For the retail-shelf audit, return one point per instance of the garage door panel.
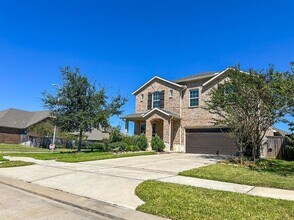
(205, 141)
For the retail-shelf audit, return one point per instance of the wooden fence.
(275, 147)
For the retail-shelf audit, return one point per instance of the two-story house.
(175, 111)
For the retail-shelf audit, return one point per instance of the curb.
(84, 203)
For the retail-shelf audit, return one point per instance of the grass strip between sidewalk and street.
(73, 157)
(268, 173)
(4, 163)
(176, 201)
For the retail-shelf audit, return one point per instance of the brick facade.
(172, 130)
(10, 135)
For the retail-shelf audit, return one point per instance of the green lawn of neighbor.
(268, 173)
(176, 201)
(4, 163)
(72, 157)
(4, 148)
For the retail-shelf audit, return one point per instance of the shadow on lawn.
(278, 167)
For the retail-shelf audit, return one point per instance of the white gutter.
(170, 132)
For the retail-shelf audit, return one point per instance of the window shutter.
(149, 102)
(162, 99)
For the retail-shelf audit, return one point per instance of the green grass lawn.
(72, 157)
(4, 163)
(176, 201)
(20, 148)
(270, 173)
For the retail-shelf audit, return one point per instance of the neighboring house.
(14, 124)
(174, 111)
(96, 135)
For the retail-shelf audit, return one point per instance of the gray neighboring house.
(14, 124)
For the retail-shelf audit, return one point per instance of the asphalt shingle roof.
(196, 76)
(15, 118)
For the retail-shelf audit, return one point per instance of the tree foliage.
(79, 106)
(42, 129)
(250, 103)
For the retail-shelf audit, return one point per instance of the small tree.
(142, 142)
(157, 144)
(249, 104)
(79, 106)
(42, 131)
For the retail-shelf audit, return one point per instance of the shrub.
(130, 140)
(142, 142)
(100, 147)
(136, 148)
(118, 146)
(157, 144)
(115, 135)
(129, 148)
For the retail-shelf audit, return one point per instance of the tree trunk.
(80, 140)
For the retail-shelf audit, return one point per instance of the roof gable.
(158, 78)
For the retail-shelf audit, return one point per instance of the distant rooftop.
(16, 118)
(196, 76)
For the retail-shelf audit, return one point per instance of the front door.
(153, 130)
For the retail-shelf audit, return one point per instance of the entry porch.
(165, 124)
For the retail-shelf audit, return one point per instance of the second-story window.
(142, 97)
(194, 98)
(156, 100)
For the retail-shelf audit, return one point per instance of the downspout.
(170, 133)
(181, 100)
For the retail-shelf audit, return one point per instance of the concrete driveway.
(113, 181)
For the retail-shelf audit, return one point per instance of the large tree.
(80, 106)
(250, 103)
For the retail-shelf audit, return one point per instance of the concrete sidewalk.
(232, 187)
(88, 207)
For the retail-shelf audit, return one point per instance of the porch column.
(126, 127)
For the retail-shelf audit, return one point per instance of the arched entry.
(157, 127)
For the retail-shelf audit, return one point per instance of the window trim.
(189, 98)
(156, 100)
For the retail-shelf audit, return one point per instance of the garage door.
(209, 141)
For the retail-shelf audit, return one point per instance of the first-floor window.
(142, 128)
(194, 97)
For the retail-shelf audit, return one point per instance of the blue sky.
(122, 44)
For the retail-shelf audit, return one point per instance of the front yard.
(267, 173)
(184, 202)
(10, 148)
